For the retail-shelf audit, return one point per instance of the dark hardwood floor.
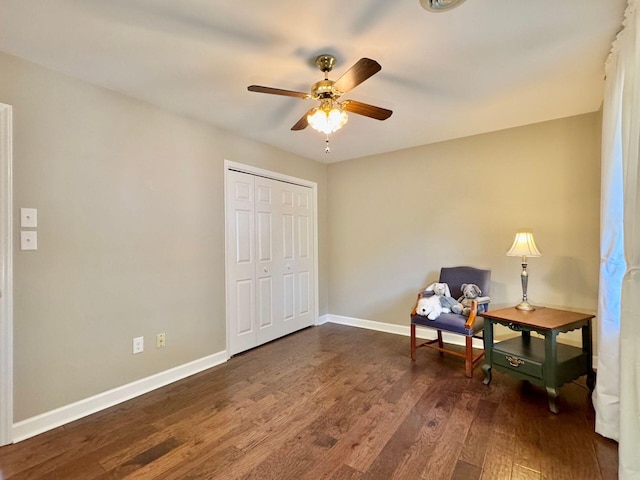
(329, 402)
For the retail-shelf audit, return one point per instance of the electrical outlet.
(138, 345)
(161, 340)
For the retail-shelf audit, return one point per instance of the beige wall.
(131, 235)
(396, 218)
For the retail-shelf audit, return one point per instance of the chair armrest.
(472, 315)
(483, 304)
(483, 300)
(415, 307)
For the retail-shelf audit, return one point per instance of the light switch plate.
(28, 240)
(28, 217)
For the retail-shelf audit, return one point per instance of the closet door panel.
(265, 303)
(240, 233)
(287, 237)
(304, 303)
(264, 220)
(288, 299)
(304, 263)
(268, 266)
(244, 308)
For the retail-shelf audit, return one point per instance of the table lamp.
(524, 246)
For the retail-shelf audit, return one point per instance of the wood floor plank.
(420, 447)
(214, 463)
(82, 438)
(367, 448)
(358, 446)
(207, 456)
(86, 464)
(258, 445)
(531, 410)
(520, 472)
(321, 437)
(564, 454)
(498, 461)
(112, 456)
(344, 472)
(297, 459)
(501, 440)
(146, 457)
(466, 471)
(329, 402)
(475, 443)
(43, 448)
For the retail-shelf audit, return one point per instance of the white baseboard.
(424, 333)
(323, 319)
(74, 411)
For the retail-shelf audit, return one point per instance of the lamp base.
(526, 306)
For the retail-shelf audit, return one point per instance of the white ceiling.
(484, 66)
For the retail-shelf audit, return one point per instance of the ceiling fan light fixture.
(328, 117)
(439, 5)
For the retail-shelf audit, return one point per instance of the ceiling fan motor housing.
(324, 89)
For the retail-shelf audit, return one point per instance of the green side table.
(544, 362)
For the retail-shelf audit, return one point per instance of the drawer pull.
(514, 361)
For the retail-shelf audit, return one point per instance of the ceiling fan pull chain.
(327, 149)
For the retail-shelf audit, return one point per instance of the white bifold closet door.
(269, 259)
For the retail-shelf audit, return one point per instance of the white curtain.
(617, 393)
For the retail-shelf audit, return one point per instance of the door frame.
(6, 274)
(240, 167)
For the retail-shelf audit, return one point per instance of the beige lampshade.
(524, 246)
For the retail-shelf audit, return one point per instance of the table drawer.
(513, 362)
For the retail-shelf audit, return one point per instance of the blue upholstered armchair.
(469, 327)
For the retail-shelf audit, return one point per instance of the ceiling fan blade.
(367, 110)
(363, 69)
(277, 91)
(302, 123)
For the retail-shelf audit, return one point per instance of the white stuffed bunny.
(440, 289)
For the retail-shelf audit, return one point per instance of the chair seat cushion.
(450, 322)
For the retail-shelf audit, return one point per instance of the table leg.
(550, 367)
(587, 346)
(488, 350)
(486, 368)
(552, 394)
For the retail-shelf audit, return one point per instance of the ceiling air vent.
(439, 5)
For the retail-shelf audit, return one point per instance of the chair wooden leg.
(413, 342)
(440, 343)
(468, 358)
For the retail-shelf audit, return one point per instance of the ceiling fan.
(331, 114)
